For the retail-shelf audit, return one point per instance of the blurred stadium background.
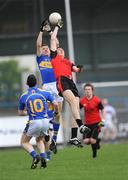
(100, 35)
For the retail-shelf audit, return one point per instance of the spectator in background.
(110, 128)
(93, 117)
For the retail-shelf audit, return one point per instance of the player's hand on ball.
(45, 26)
(60, 23)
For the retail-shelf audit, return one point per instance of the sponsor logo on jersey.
(45, 64)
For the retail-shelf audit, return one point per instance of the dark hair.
(31, 80)
(90, 85)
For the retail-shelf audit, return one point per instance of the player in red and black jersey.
(93, 116)
(63, 69)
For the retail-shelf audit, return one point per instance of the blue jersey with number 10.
(34, 100)
(46, 70)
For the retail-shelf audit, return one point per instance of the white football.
(54, 17)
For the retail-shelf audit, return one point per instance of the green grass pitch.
(68, 164)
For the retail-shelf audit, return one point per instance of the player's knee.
(22, 143)
(92, 141)
(22, 140)
(86, 141)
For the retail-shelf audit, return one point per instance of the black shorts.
(64, 83)
(94, 131)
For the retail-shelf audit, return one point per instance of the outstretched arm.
(54, 42)
(39, 43)
(45, 26)
(57, 42)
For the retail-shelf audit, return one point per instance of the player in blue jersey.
(48, 78)
(34, 104)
